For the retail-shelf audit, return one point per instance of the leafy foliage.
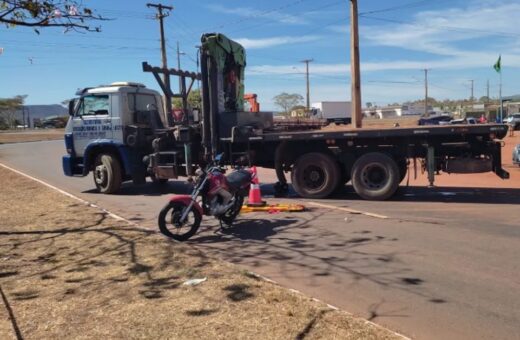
(286, 101)
(194, 100)
(70, 14)
(8, 109)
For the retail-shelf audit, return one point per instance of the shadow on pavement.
(424, 194)
(179, 187)
(295, 249)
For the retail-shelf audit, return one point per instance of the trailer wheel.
(315, 175)
(107, 174)
(375, 176)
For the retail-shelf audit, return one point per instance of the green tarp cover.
(230, 58)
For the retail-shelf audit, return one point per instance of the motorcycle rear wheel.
(231, 214)
(170, 226)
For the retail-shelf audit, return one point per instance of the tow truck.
(120, 132)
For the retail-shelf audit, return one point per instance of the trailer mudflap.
(497, 160)
(502, 173)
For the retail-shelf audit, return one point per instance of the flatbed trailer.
(375, 160)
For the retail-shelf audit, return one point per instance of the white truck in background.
(333, 112)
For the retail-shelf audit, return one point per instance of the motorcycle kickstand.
(223, 226)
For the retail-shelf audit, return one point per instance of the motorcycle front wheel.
(169, 223)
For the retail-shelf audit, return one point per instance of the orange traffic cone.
(255, 196)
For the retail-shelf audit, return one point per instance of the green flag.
(498, 65)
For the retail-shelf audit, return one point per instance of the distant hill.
(42, 111)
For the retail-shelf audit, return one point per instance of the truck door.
(92, 121)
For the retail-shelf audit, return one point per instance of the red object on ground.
(255, 196)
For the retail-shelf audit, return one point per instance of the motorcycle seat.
(238, 179)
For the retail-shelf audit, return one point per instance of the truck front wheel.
(315, 175)
(107, 174)
(375, 176)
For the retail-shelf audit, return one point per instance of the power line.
(446, 28)
(269, 20)
(259, 14)
(404, 6)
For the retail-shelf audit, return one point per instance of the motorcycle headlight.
(199, 172)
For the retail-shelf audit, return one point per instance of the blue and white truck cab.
(109, 131)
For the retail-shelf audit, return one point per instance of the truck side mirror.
(72, 104)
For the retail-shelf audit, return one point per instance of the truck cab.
(109, 132)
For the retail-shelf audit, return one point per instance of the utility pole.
(307, 61)
(179, 53)
(426, 114)
(354, 65)
(198, 47)
(487, 92)
(472, 98)
(163, 12)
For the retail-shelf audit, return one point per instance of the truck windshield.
(94, 105)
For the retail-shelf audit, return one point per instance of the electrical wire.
(404, 6)
(443, 27)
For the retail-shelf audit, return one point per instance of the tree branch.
(70, 14)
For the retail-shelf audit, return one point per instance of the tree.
(194, 100)
(70, 14)
(369, 105)
(299, 107)
(286, 101)
(8, 109)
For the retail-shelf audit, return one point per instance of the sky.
(457, 41)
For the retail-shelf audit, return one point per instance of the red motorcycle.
(222, 197)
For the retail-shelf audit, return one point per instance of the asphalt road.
(445, 264)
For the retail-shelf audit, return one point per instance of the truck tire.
(375, 176)
(107, 174)
(315, 175)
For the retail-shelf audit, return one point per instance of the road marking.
(350, 211)
(63, 192)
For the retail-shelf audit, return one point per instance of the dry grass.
(21, 136)
(70, 271)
